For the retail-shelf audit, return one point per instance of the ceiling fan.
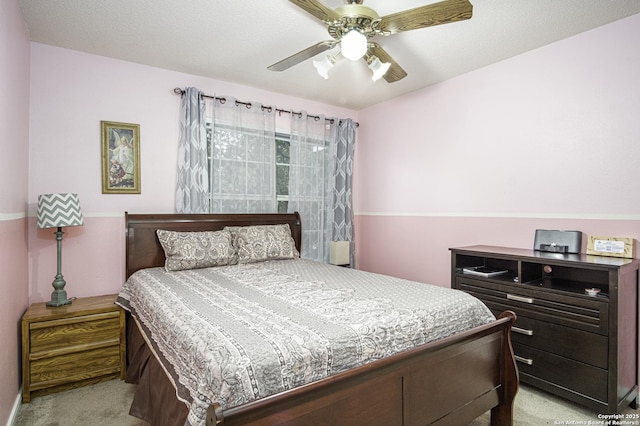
(354, 25)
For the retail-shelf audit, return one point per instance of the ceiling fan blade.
(317, 9)
(395, 71)
(303, 55)
(430, 15)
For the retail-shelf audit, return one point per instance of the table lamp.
(58, 210)
(340, 252)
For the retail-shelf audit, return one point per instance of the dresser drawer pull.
(527, 361)
(522, 331)
(520, 298)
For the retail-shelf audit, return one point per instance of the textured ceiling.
(235, 41)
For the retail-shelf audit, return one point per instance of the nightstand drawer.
(579, 377)
(73, 367)
(83, 330)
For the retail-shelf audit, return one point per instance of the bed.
(447, 370)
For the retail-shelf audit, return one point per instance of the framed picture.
(120, 158)
(611, 246)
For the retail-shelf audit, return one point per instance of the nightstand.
(73, 345)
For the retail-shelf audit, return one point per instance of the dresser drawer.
(582, 313)
(82, 330)
(579, 377)
(579, 345)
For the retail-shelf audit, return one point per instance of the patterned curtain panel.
(339, 188)
(227, 164)
(192, 186)
(243, 147)
(308, 161)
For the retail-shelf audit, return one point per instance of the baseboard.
(16, 407)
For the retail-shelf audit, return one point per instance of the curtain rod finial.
(178, 91)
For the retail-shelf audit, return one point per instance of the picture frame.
(120, 143)
(611, 246)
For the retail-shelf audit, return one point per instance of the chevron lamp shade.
(57, 210)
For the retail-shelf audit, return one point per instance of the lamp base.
(59, 298)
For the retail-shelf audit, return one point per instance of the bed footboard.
(451, 381)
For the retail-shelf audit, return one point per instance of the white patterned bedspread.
(238, 333)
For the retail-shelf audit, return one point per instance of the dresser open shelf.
(580, 346)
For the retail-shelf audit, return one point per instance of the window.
(250, 167)
(282, 172)
(282, 150)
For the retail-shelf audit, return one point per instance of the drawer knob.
(522, 331)
(519, 298)
(523, 360)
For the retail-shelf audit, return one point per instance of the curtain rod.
(179, 91)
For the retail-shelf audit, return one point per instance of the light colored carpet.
(534, 407)
(104, 404)
(107, 404)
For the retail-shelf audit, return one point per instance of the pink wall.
(547, 140)
(14, 108)
(417, 247)
(92, 258)
(71, 93)
(14, 164)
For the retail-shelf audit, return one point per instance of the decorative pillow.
(193, 250)
(263, 242)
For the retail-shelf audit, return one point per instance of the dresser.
(576, 334)
(72, 345)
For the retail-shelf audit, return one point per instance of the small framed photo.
(120, 158)
(611, 246)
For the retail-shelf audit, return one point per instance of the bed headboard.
(143, 249)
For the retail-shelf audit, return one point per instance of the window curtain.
(192, 186)
(320, 175)
(307, 181)
(340, 189)
(243, 157)
(236, 171)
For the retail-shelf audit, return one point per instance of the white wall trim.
(579, 216)
(582, 216)
(94, 214)
(6, 217)
(16, 408)
(12, 216)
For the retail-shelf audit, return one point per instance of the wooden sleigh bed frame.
(448, 382)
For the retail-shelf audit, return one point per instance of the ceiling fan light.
(324, 65)
(353, 45)
(378, 67)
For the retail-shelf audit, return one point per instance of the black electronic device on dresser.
(576, 334)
